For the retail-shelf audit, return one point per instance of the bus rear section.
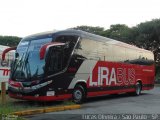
(75, 65)
(113, 78)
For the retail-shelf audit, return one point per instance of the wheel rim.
(77, 94)
(138, 89)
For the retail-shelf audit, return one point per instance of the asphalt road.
(147, 103)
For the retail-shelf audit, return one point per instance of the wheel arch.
(82, 83)
(140, 81)
(83, 86)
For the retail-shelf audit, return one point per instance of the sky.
(25, 17)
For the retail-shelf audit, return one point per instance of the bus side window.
(79, 46)
(55, 60)
(59, 56)
(88, 49)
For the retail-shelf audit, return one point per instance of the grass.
(68, 103)
(10, 117)
(13, 105)
(9, 107)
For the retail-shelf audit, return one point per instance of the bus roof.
(83, 34)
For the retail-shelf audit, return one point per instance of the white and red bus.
(76, 64)
(5, 65)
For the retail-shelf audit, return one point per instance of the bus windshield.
(28, 65)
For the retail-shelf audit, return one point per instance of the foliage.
(9, 40)
(145, 35)
(149, 37)
(94, 30)
(10, 117)
(6, 110)
(121, 32)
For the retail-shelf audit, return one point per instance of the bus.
(73, 64)
(5, 65)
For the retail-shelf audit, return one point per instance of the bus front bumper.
(41, 98)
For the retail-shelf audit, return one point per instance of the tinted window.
(59, 56)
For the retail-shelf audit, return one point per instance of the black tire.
(78, 94)
(138, 88)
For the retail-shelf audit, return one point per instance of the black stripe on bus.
(94, 89)
(108, 88)
(148, 85)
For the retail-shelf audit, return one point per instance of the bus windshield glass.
(27, 65)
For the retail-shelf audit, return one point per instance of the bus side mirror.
(44, 49)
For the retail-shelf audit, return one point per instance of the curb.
(46, 110)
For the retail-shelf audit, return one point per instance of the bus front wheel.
(78, 94)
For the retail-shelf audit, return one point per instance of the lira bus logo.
(115, 76)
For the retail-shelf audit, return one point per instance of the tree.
(148, 37)
(145, 35)
(94, 30)
(121, 32)
(9, 40)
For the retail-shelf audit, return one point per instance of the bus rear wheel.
(138, 88)
(78, 94)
